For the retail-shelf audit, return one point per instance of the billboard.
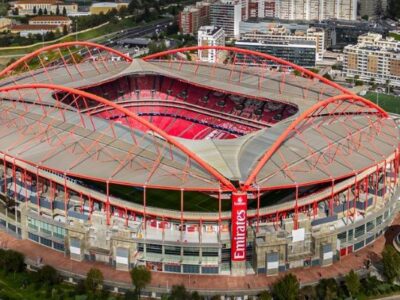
(239, 225)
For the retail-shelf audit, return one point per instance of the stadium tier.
(191, 167)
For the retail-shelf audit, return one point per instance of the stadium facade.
(248, 165)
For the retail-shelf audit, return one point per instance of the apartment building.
(210, 36)
(302, 53)
(227, 14)
(374, 58)
(192, 17)
(304, 9)
(281, 33)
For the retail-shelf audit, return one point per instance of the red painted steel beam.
(130, 114)
(275, 146)
(58, 46)
(250, 52)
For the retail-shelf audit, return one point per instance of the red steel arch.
(33, 54)
(225, 182)
(255, 53)
(267, 155)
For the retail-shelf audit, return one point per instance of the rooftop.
(50, 18)
(33, 27)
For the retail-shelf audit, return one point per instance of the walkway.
(202, 282)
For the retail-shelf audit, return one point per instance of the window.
(369, 240)
(342, 237)
(350, 235)
(379, 220)
(370, 226)
(359, 231)
(46, 228)
(58, 246)
(172, 268)
(141, 247)
(33, 237)
(172, 250)
(12, 227)
(213, 252)
(152, 248)
(191, 269)
(386, 214)
(191, 251)
(209, 270)
(358, 245)
(59, 232)
(45, 242)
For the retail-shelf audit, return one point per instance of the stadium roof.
(334, 135)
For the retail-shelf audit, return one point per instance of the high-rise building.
(192, 17)
(374, 59)
(210, 36)
(371, 7)
(281, 33)
(227, 14)
(300, 52)
(304, 9)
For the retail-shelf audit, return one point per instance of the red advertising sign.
(239, 225)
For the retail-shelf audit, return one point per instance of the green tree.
(140, 277)
(47, 275)
(286, 288)
(34, 11)
(94, 280)
(370, 285)
(58, 10)
(64, 11)
(391, 263)
(265, 295)
(352, 283)
(12, 261)
(308, 293)
(65, 30)
(40, 12)
(179, 292)
(327, 76)
(327, 289)
(45, 11)
(196, 296)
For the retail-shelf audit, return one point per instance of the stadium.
(247, 165)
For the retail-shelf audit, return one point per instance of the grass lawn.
(389, 103)
(18, 287)
(193, 201)
(395, 36)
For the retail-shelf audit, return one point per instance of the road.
(135, 32)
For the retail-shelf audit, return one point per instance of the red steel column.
(239, 233)
(108, 203)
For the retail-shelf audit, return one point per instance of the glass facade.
(301, 54)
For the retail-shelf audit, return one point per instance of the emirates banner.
(239, 224)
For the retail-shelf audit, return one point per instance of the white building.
(373, 59)
(51, 20)
(304, 9)
(227, 14)
(210, 36)
(281, 33)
